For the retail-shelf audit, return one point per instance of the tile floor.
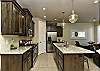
(45, 62)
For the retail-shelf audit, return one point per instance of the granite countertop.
(71, 49)
(98, 51)
(19, 50)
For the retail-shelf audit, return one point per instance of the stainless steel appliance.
(51, 37)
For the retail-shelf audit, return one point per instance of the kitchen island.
(69, 58)
(96, 58)
(20, 59)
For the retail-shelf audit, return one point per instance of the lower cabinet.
(27, 60)
(59, 59)
(35, 53)
(19, 62)
(25, 64)
(11, 62)
(96, 59)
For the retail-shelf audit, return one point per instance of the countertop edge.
(16, 51)
(91, 52)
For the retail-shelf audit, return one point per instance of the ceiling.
(86, 9)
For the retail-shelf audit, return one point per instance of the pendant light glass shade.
(63, 24)
(73, 17)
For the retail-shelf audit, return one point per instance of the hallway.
(45, 62)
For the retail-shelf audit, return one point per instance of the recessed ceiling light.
(43, 9)
(96, 1)
(55, 19)
(44, 16)
(94, 20)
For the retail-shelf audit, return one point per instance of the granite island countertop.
(98, 51)
(71, 49)
(19, 50)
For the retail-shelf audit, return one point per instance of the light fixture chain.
(72, 4)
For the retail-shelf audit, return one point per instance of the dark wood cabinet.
(96, 59)
(11, 62)
(33, 28)
(18, 19)
(10, 17)
(27, 60)
(25, 63)
(19, 62)
(51, 26)
(59, 31)
(29, 22)
(59, 59)
(6, 20)
(15, 20)
(22, 23)
(35, 53)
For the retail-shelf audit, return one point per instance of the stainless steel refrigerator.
(51, 37)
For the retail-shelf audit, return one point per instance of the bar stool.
(86, 60)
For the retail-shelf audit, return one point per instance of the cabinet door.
(6, 20)
(11, 63)
(73, 62)
(16, 19)
(29, 25)
(29, 62)
(33, 28)
(59, 31)
(25, 68)
(21, 24)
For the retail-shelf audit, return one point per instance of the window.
(81, 34)
(78, 34)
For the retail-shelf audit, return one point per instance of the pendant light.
(73, 17)
(63, 20)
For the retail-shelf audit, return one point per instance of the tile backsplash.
(7, 40)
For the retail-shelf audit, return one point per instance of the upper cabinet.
(18, 19)
(15, 19)
(29, 22)
(59, 31)
(51, 27)
(6, 17)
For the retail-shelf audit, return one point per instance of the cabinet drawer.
(60, 68)
(29, 62)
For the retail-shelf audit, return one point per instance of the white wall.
(0, 17)
(36, 30)
(0, 32)
(82, 27)
(98, 34)
(40, 34)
